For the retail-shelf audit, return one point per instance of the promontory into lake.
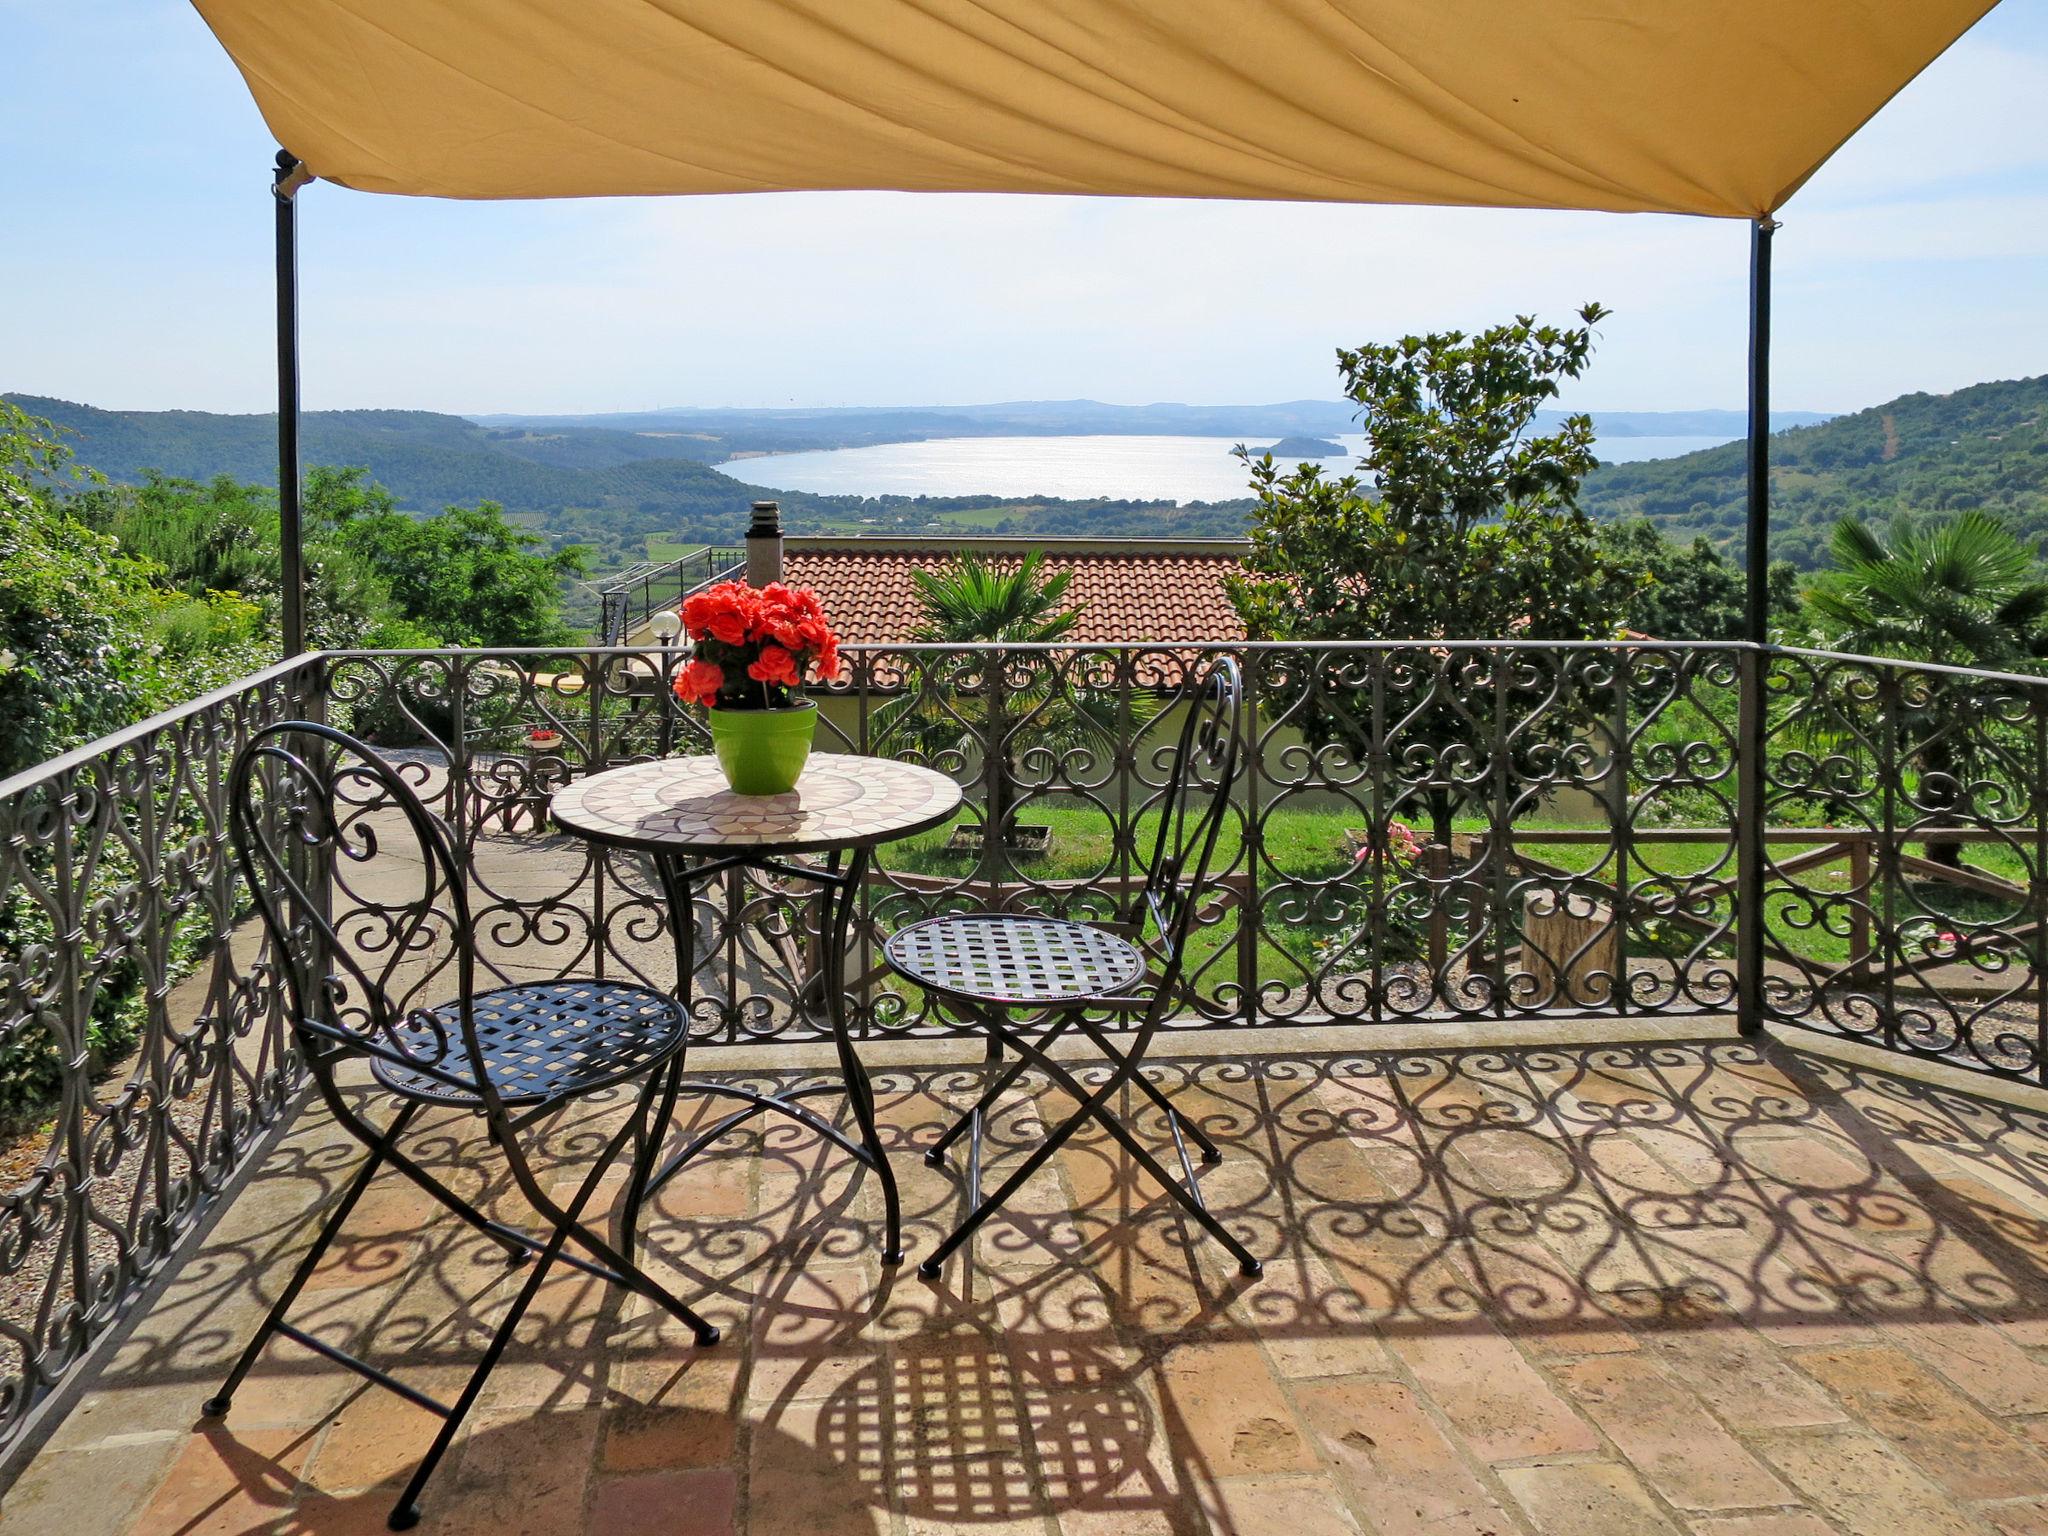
(1303, 448)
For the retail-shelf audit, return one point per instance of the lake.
(1125, 468)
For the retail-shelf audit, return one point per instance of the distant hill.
(1683, 423)
(719, 433)
(1979, 447)
(612, 481)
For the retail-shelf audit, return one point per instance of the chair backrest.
(1193, 805)
(362, 894)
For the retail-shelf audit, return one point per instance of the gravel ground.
(22, 1292)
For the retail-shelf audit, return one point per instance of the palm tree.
(974, 600)
(978, 602)
(1962, 592)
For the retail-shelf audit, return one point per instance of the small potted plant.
(752, 650)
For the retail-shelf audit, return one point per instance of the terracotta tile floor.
(1697, 1287)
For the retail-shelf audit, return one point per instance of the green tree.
(92, 638)
(1027, 708)
(67, 640)
(222, 536)
(976, 600)
(1963, 592)
(1463, 521)
(375, 576)
(466, 575)
(1690, 591)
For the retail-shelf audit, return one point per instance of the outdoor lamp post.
(667, 625)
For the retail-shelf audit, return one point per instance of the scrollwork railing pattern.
(1457, 831)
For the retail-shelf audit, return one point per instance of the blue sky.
(135, 249)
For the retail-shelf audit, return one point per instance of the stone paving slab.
(1694, 1288)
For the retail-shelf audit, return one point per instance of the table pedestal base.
(824, 991)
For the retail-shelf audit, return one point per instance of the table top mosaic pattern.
(682, 804)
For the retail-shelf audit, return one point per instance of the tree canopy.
(1690, 591)
(117, 601)
(1463, 521)
(92, 636)
(1963, 591)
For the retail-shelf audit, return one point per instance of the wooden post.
(1436, 868)
(1569, 948)
(1859, 909)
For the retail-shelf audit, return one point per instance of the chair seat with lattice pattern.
(1013, 961)
(540, 1041)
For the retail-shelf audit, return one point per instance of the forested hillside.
(1980, 447)
(604, 489)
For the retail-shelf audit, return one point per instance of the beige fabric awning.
(1719, 107)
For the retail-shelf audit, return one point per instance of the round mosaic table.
(682, 805)
(680, 811)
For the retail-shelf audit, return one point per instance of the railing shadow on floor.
(1687, 1196)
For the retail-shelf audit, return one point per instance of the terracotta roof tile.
(1124, 596)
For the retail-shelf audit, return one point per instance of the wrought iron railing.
(629, 599)
(1454, 832)
(138, 1028)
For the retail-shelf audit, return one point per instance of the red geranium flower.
(699, 682)
(777, 636)
(775, 665)
(727, 613)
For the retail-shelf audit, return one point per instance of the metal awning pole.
(1757, 612)
(284, 186)
(1750, 805)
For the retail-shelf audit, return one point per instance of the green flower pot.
(763, 750)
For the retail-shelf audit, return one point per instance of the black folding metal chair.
(990, 965)
(362, 894)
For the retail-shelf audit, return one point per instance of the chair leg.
(518, 1248)
(936, 1152)
(633, 1277)
(1211, 1153)
(219, 1403)
(406, 1512)
(1186, 1194)
(620, 1269)
(648, 1147)
(1188, 1198)
(1093, 1106)
(1056, 1139)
